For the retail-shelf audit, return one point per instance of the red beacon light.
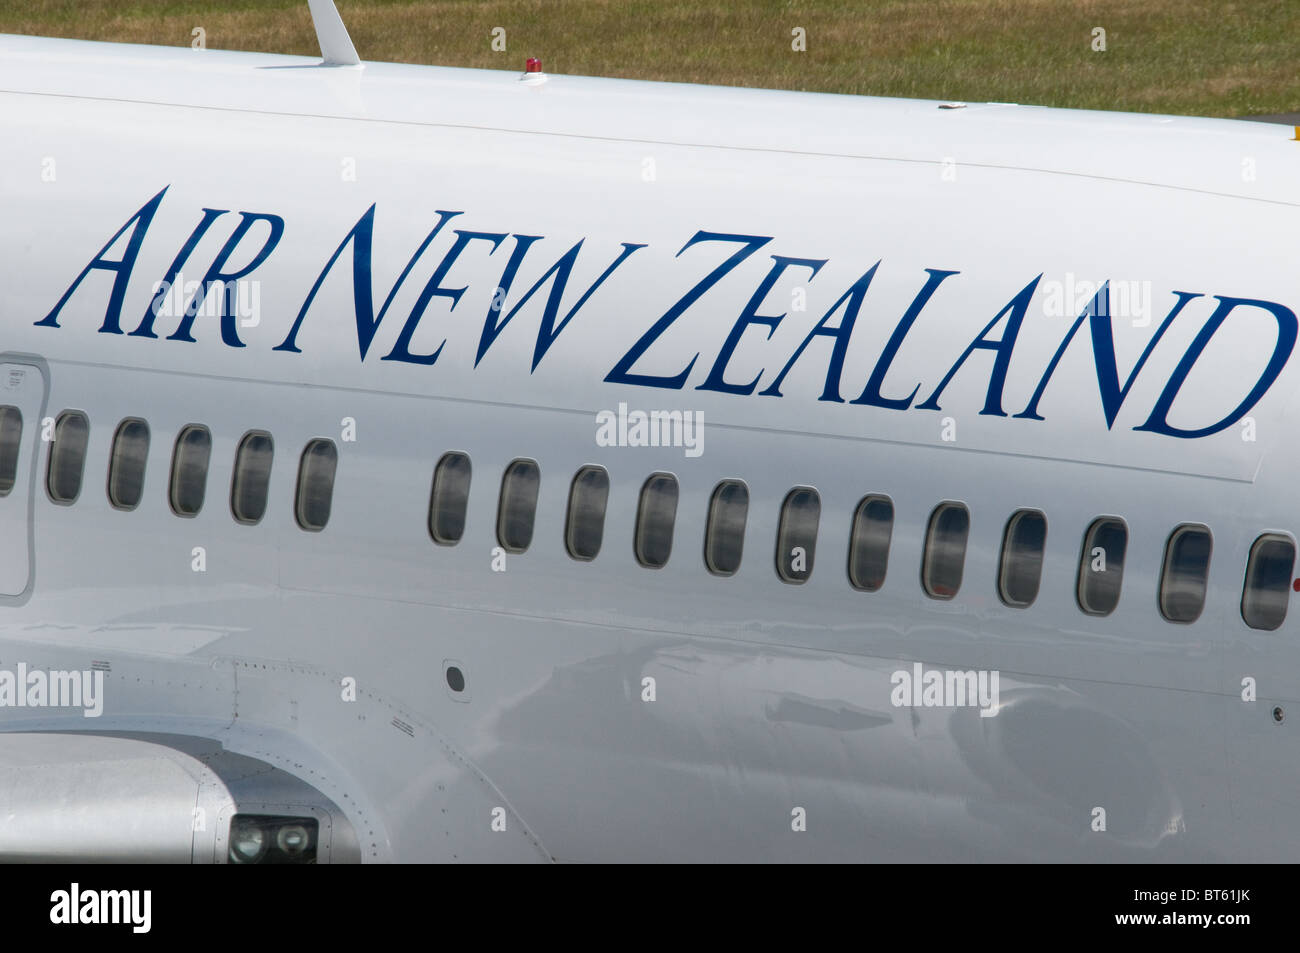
(533, 75)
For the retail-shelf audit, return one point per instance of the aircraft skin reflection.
(945, 783)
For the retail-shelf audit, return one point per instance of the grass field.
(1199, 57)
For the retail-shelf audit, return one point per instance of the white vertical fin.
(335, 44)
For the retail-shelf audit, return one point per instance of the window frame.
(174, 473)
(514, 549)
(8, 484)
(783, 536)
(54, 449)
(301, 484)
(853, 534)
(112, 462)
(1268, 537)
(438, 476)
(570, 508)
(1085, 562)
(928, 548)
(234, 477)
(1004, 552)
(638, 533)
(709, 522)
(1183, 529)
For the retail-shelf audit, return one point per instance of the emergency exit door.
(22, 394)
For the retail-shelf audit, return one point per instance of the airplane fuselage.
(1076, 315)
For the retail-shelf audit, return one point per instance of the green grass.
(1198, 57)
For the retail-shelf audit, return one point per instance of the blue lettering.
(229, 317)
(145, 330)
(1286, 334)
(871, 394)
(559, 276)
(750, 316)
(1097, 313)
(402, 349)
(139, 225)
(622, 371)
(1015, 312)
(363, 307)
(852, 302)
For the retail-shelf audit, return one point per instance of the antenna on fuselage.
(335, 45)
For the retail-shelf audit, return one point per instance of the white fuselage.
(768, 697)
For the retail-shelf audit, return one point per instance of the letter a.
(138, 225)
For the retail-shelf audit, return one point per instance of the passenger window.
(320, 459)
(796, 535)
(585, 527)
(1186, 572)
(518, 505)
(127, 462)
(189, 481)
(654, 520)
(1268, 582)
(1022, 558)
(252, 478)
(67, 456)
(945, 550)
(11, 441)
(873, 525)
(724, 534)
(1101, 565)
(449, 498)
